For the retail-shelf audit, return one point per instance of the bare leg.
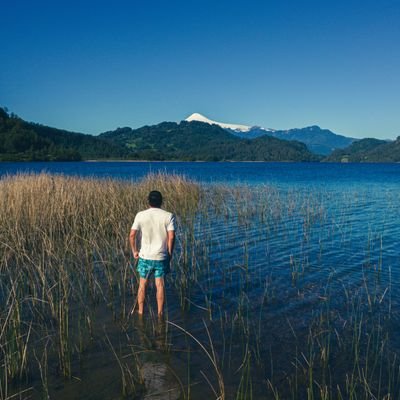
(141, 294)
(160, 295)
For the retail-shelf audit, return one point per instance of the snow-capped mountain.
(320, 141)
(234, 127)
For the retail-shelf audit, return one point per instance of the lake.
(331, 175)
(287, 286)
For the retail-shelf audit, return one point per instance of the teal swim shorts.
(147, 267)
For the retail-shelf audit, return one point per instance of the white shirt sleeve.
(171, 224)
(136, 223)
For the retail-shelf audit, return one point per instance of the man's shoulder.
(139, 213)
(164, 213)
(151, 210)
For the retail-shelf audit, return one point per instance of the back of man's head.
(155, 198)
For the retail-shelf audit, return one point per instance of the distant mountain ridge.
(26, 141)
(319, 141)
(190, 141)
(199, 141)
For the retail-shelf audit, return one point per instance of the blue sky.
(94, 66)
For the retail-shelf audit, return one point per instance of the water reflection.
(159, 381)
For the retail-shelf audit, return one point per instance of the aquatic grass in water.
(64, 252)
(288, 294)
(300, 293)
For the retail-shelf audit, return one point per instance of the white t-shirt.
(153, 224)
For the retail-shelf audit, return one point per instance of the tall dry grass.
(64, 249)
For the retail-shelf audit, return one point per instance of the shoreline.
(197, 161)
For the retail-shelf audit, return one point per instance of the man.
(157, 238)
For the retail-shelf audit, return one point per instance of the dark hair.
(155, 198)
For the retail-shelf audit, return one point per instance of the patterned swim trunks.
(147, 267)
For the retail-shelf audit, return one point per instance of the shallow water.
(292, 279)
(287, 278)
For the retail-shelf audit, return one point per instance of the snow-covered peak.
(202, 118)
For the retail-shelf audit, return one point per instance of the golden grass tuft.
(63, 246)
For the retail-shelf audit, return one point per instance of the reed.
(257, 265)
(64, 252)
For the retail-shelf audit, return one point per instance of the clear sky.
(92, 66)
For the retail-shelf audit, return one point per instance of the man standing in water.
(157, 238)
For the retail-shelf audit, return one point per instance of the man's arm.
(171, 243)
(132, 241)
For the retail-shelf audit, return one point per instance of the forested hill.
(368, 150)
(193, 141)
(186, 141)
(26, 141)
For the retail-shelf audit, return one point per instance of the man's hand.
(135, 255)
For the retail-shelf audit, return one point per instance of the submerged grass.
(280, 318)
(63, 251)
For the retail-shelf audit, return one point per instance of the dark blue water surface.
(280, 174)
